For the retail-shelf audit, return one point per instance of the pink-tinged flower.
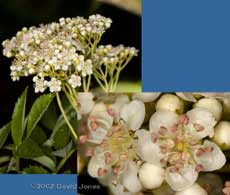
(114, 160)
(175, 144)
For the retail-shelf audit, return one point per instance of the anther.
(183, 119)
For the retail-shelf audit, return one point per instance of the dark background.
(15, 14)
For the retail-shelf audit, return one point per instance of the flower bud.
(146, 96)
(195, 189)
(212, 105)
(222, 134)
(170, 102)
(151, 176)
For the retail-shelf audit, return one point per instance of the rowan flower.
(75, 81)
(54, 85)
(113, 158)
(175, 144)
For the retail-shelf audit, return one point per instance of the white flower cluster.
(56, 53)
(107, 54)
(133, 149)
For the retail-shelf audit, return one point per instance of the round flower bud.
(170, 102)
(148, 173)
(212, 105)
(146, 96)
(194, 189)
(222, 134)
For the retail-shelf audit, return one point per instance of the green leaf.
(38, 109)
(50, 117)
(17, 125)
(4, 132)
(60, 136)
(35, 170)
(64, 151)
(29, 149)
(46, 161)
(38, 135)
(4, 159)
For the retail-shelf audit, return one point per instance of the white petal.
(96, 162)
(146, 149)
(183, 179)
(162, 118)
(146, 96)
(211, 160)
(151, 176)
(103, 120)
(133, 114)
(121, 100)
(195, 189)
(186, 96)
(129, 178)
(201, 117)
(86, 102)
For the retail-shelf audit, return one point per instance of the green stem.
(71, 100)
(88, 83)
(84, 84)
(66, 118)
(63, 161)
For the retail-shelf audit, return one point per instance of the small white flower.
(54, 85)
(75, 81)
(40, 84)
(87, 69)
(174, 142)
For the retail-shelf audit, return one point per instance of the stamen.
(172, 169)
(170, 143)
(174, 128)
(111, 112)
(93, 125)
(183, 119)
(90, 152)
(101, 172)
(109, 133)
(162, 131)
(163, 161)
(200, 152)
(108, 157)
(199, 168)
(163, 149)
(185, 156)
(154, 137)
(123, 157)
(208, 149)
(117, 170)
(92, 118)
(198, 127)
(179, 166)
(83, 139)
